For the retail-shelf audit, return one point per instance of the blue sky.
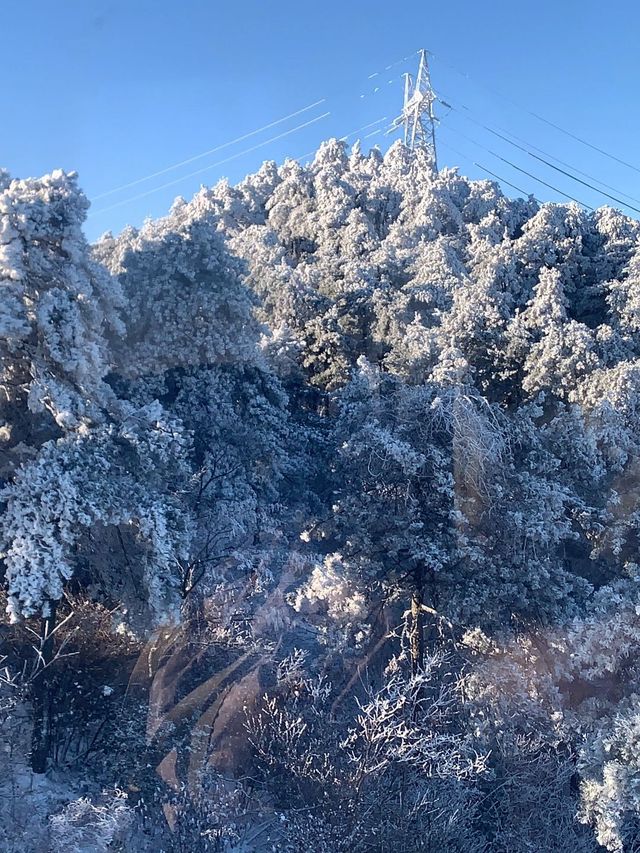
(118, 90)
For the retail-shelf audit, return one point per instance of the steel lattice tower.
(418, 118)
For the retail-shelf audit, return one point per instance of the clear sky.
(119, 89)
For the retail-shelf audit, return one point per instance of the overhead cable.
(195, 157)
(542, 159)
(519, 169)
(488, 171)
(344, 138)
(569, 165)
(364, 127)
(238, 139)
(537, 115)
(504, 181)
(210, 166)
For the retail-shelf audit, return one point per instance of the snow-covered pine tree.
(75, 458)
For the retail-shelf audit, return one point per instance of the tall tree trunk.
(41, 695)
(416, 632)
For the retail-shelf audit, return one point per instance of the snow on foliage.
(429, 389)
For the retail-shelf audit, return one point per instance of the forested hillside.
(320, 517)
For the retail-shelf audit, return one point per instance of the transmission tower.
(417, 117)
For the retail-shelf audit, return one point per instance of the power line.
(238, 139)
(569, 165)
(538, 116)
(504, 181)
(540, 151)
(543, 160)
(364, 127)
(371, 124)
(397, 62)
(305, 156)
(519, 169)
(585, 142)
(211, 166)
(488, 171)
(564, 172)
(210, 151)
(344, 138)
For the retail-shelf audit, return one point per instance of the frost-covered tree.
(426, 388)
(77, 459)
(57, 303)
(192, 342)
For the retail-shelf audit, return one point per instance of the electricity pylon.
(417, 117)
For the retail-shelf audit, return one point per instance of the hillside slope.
(354, 446)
